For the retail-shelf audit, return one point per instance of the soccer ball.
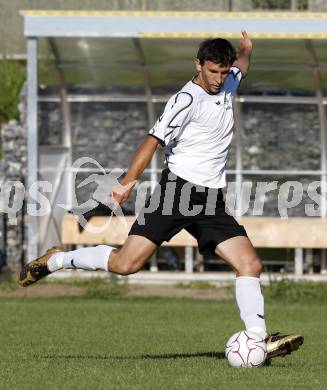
(246, 349)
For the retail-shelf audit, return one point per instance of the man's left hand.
(245, 44)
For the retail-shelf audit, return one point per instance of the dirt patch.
(151, 290)
(42, 290)
(136, 290)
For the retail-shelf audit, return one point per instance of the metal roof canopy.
(174, 24)
(137, 25)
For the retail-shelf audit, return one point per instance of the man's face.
(211, 76)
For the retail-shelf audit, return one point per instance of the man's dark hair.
(217, 50)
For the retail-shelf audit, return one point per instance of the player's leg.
(240, 254)
(129, 259)
(144, 237)
(132, 256)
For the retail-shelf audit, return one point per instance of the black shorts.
(210, 225)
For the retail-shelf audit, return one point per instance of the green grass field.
(149, 343)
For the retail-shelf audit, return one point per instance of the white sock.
(251, 304)
(90, 258)
(55, 261)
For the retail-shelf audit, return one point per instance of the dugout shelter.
(152, 52)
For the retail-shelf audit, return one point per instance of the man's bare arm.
(140, 161)
(244, 49)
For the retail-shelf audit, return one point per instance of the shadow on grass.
(191, 355)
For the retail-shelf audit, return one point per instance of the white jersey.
(197, 129)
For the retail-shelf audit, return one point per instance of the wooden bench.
(264, 232)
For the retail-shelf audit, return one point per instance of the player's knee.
(250, 266)
(257, 266)
(124, 270)
(126, 266)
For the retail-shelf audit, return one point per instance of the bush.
(286, 290)
(12, 78)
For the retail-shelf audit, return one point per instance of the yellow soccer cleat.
(36, 269)
(282, 345)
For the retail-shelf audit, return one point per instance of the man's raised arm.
(244, 49)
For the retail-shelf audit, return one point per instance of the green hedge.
(12, 77)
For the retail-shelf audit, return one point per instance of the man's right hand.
(120, 194)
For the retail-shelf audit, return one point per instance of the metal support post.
(323, 135)
(308, 260)
(66, 114)
(32, 142)
(298, 261)
(151, 120)
(189, 259)
(199, 261)
(323, 264)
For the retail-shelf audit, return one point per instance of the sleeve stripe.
(162, 143)
(236, 73)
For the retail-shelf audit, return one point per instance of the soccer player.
(196, 129)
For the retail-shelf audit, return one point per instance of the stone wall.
(2, 226)
(14, 168)
(281, 137)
